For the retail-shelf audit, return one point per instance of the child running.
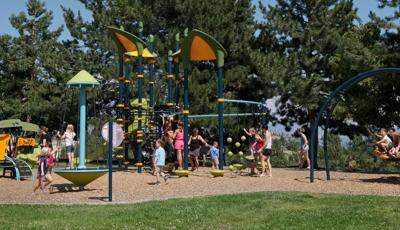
(43, 172)
(159, 156)
(214, 153)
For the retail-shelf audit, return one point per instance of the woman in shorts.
(303, 152)
(195, 143)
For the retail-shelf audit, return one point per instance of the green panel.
(29, 127)
(81, 177)
(83, 78)
(10, 123)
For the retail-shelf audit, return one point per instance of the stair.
(19, 168)
(25, 171)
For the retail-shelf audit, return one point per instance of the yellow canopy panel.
(146, 54)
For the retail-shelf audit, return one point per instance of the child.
(214, 153)
(42, 172)
(51, 158)
(69, 136)
(252, 140)
(159, 156)
(385, 143)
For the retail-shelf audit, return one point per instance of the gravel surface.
(130, 186)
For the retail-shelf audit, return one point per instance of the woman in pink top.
(178, 136)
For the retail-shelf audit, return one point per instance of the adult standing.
(265, 151)
(69, 136)
(179, 145)
(45, 137)
(303, 152)
(195, 143)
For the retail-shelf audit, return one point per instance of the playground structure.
(137, 116)
(20, 157)
(340, 90)
(133, 53)
(197, 46)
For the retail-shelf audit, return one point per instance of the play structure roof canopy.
(82, 78)
(199, 46)
(127, 42)
(16, 123)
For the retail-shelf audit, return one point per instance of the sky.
(9, 7)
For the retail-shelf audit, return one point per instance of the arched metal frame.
(339, 90)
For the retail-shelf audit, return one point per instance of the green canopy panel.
(29, 127)
(83, 78)
(10, 123)
(81, 177)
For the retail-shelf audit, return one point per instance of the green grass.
(268, 210)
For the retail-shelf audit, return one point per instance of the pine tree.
(34, 69)
(307, 48)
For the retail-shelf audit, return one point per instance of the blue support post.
(140, 107)
(110, 151)
(82, 125)
(121, 90)
(220, 119)
(169, 82)
(176, 70)
(126, 118)
(185, 116)
(151, 73)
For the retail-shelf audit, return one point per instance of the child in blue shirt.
(214, 153)
(159, 158)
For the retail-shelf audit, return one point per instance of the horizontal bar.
(243, 102)
(226, 115)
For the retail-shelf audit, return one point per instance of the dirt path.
(133, 187)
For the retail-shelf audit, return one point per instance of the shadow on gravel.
(64, 188)
(101, 198)
(384, 180)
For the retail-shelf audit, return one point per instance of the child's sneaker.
(157, 183)
(166, 179)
